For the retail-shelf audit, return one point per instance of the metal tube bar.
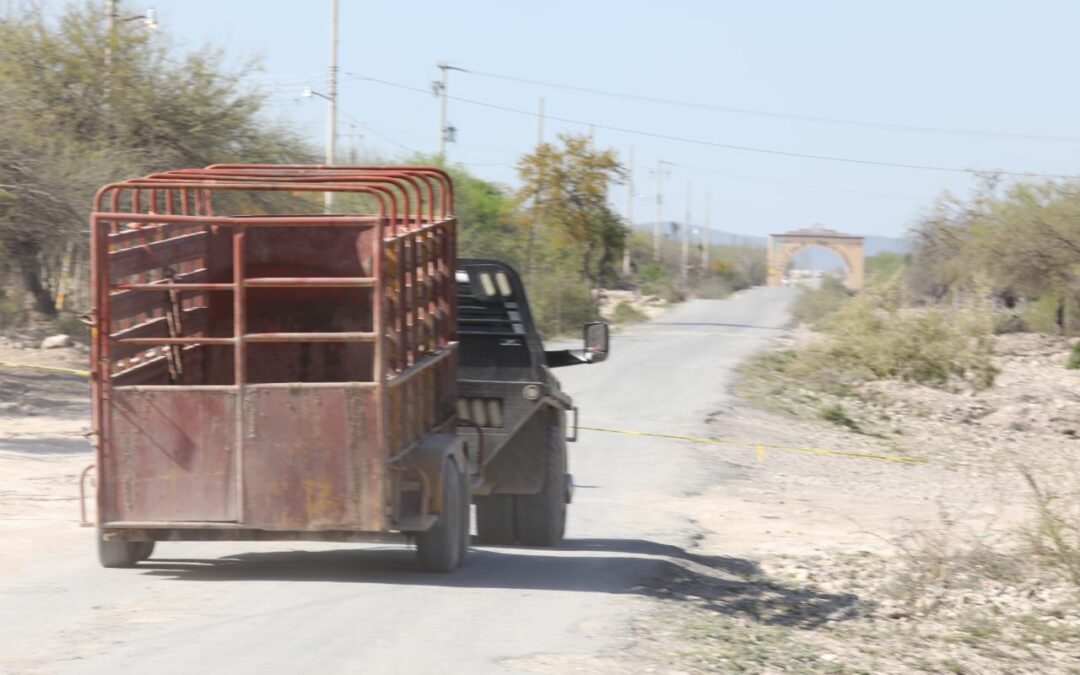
(239, 363)
(310, 337)
(233, 221)
(194, 340)
(164, 286)
(311, 282)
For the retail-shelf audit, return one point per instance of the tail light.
(483, 412)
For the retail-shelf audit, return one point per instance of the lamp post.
(331, 136)
(149, 19)
(331, 100)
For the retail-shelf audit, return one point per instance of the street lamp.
(149, 19)
(331, 100)
(331, 136)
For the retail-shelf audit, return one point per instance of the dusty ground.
(824, 563)
(803, 561)
(649, 305)
(44, 416)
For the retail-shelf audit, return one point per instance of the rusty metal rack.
(225, 312)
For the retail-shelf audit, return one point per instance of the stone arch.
(782, 247)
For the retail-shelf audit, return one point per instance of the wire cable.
(784, 116)
(716, 144)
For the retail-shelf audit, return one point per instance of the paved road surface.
(333, 608)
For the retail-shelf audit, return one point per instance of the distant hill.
(807, 259)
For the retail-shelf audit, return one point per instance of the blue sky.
(989, 65)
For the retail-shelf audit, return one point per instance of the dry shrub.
(875, 336)
(624, 312)
(814, 305)
(1053, 535)
(936, 562)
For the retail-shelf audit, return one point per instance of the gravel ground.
(809, 562)
(803, 561)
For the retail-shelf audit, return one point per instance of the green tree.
(567, 185)
(488, 223)
(1022, 243)
(86, 103)
(885, 264)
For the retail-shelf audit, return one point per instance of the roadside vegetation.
(815, 304)
(85, 105)
(962, 355)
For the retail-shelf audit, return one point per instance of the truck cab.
(511, 408)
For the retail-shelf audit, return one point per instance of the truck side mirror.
(597, 341)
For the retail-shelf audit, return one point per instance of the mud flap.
(427, 458)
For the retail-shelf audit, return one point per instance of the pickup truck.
(260, 372)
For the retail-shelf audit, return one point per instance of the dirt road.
(299, 607)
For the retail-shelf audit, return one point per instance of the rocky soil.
(815, 549)
(649, 305)
(44, 416)
(810, 562)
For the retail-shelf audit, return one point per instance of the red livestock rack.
(263, 372)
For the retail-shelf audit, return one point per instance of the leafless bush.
(1054, 533)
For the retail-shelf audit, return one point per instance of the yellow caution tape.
(759, 448)
(54, 369)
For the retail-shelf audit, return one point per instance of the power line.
(784, 116)
(375, 131)
(797, 184)
(716, 144)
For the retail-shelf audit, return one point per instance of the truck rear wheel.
(122, 553)
(495, 520)
(442, 547)
(540, 519)
(146, 549)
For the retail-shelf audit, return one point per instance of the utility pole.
(440, 90)
(660, 172)
(705, 237)
(353, 157)
(446, 131)
(538, 214)
(110, 47)
(540, 123)
(112, 44)
(685, 258)
(629, 212)
(331, 100)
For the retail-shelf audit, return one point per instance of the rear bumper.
(211, 531)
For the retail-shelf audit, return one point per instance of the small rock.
(56, 341)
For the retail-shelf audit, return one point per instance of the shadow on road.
(727, 585)
(46, 445)
(31, 392)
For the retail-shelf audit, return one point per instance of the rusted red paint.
(171, 455)
(311, 457)
(268, 370)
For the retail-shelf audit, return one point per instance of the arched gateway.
(783, 246)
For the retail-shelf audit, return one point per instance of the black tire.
(540, 519)
(440, 548)
(121, 553)
(466, 495)
(495, 520)
(146, 549)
